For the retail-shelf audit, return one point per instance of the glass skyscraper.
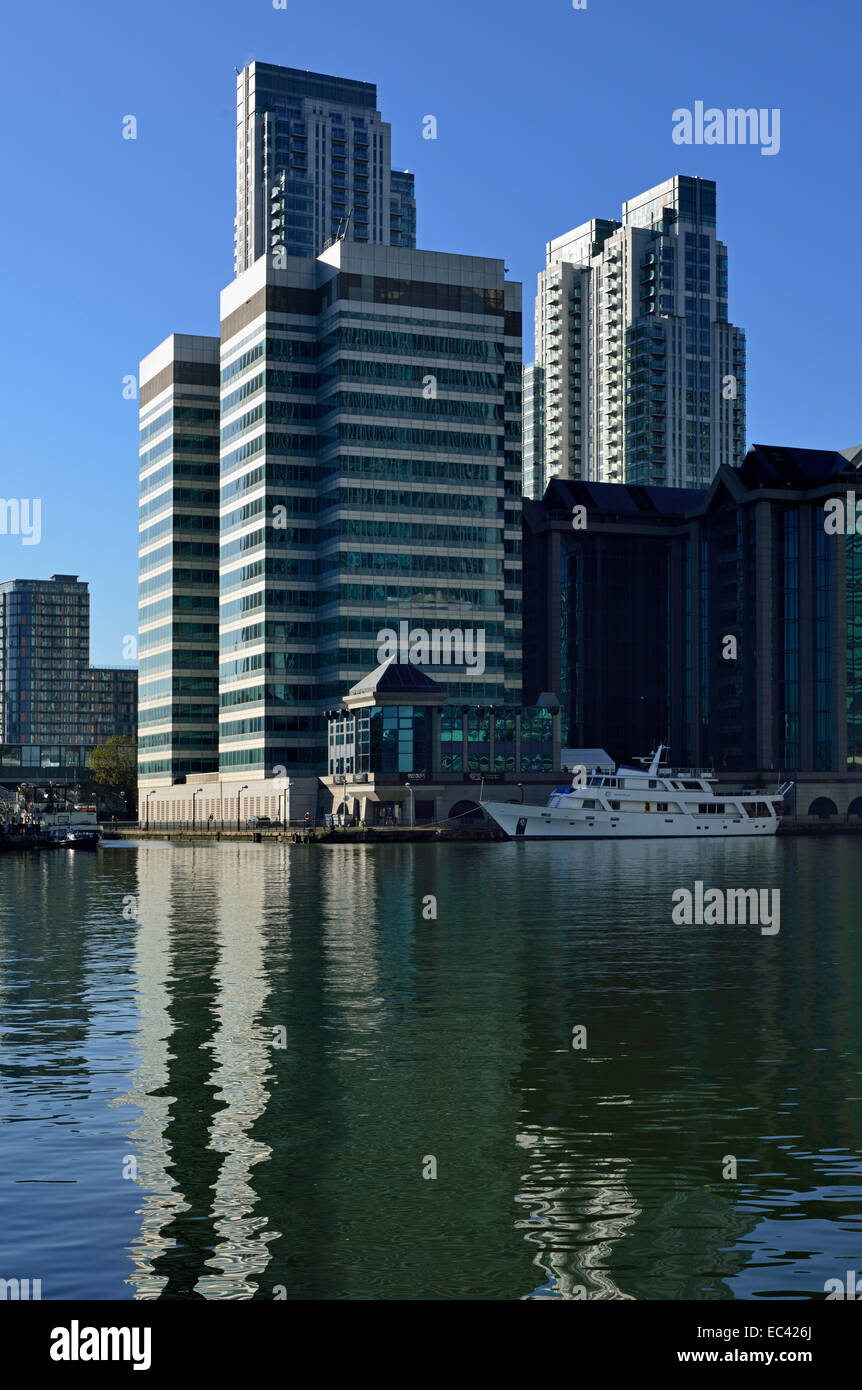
(370, 481)
(338, 475)
(313, 163)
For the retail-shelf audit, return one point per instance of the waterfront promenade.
(300, 834)
(313, 834)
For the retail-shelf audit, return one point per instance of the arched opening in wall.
(467, 813)
(855, 807)
(824, 807)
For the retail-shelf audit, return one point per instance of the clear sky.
(547, 116)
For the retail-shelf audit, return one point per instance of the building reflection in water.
(201, 1081)
(561, 1174)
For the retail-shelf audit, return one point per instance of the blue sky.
(547, 116)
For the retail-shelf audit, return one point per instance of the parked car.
(260, 823)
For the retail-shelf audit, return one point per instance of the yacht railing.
(703, 772)
(633, 777)
(636, 776)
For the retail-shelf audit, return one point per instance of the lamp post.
(150, 793)
(194, 795)
(242, 789)
(409, 786)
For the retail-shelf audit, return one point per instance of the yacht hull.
(558, 823)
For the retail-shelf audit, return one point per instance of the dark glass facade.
(451, 739)
(853, 653)
(824, 563)
(787, 525)
(397, 739)
(54, 707)
(715, 620)
(392, 741)
(615, 595)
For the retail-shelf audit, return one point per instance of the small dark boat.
(54, 837)
(82, 837)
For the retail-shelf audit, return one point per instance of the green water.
(280, 1044)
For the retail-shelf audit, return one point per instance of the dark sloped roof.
(772, 466)
(776, 465)
(622, 499)
(392, 676)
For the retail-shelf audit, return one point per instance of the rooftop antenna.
(343, 228)
(343, 225)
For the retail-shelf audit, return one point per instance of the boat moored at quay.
(653, 802)
(35, 827)
(82, 837)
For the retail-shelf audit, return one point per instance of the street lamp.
(409, 786)
(150, 793)
(242, 789)
(194, 794)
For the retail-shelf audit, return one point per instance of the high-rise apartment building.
(178, 564)
(639, 376)
(54, 707)
(313, 163)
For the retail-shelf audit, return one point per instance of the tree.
(114, 767)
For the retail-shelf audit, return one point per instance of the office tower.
(639, 375)
(370, 481)
(313, 163)
(178, 548)
(729, 619)
(54, 707)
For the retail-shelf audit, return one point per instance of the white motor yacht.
(641, 803)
